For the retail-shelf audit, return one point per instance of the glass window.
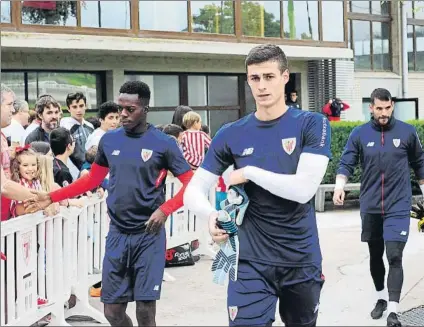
(197, 91)
(33, 90)
(217, 118)
(164, 89)
(212, 16)
(362, 44)
(333, 21)
(61, 13)
(60, 84)
(106, 14)
(261, 18)
(380, 7)
(419, 34)
(418, 10)
(16, 81)
(163, 15)
(381, 55)
(5, 12)
(223, 91)
(160, 117)
(301, 20)
(410, 47)
(358, 6)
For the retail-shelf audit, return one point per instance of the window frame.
(371, 18)
(134, 31)
(414, 22)
(183, 90)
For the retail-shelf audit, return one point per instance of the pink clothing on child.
(33, 185)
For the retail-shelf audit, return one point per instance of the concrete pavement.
(347, 297)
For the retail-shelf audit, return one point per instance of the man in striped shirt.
(194, 141)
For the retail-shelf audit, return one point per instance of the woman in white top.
(109, 119)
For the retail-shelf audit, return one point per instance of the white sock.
(382, 295)
(392, 307)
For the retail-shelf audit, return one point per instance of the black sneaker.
(393, 321)
(379, 309)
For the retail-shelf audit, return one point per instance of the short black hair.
(106, 108)
(45, 101)
(94, 121)
(205, 129)
(267, 52)
(172, 129)
(71, 97)
(179, 113)
(380, 94)
(137, 87)
(40, 147)
(60, 138)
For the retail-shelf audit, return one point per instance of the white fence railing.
(54, 257)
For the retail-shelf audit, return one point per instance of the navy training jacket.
(386, 154)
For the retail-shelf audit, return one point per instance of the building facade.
(192, 52)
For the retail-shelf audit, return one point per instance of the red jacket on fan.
(333, 110)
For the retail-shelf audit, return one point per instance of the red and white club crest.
(146, 154)
(396, 142)
(26, 247)
(289, 145)
(232, 311)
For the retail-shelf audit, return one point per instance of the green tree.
(215, 18)
(256, 21)
(57, 16)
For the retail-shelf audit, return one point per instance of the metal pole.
(404, 56)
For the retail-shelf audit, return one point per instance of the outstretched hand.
(156, 222)
(39, 201)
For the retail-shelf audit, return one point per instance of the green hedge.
(340, 132)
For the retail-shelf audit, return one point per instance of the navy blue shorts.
(385, 227)
(133, 267)
(252, 299)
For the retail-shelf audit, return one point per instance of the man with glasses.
(138, 156)
(16, 130)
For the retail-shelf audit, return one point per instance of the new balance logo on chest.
(247, 152)
(370, 144)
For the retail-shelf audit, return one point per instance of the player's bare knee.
(115, 313)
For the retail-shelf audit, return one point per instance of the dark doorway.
(294, 84)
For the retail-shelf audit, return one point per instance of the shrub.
(340, 132)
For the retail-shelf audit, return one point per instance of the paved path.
(347, 297)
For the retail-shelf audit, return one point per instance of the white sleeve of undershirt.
(299, 187)
(197, 191)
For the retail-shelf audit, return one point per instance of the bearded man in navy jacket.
(386, 148)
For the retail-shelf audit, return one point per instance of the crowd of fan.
(43, 150)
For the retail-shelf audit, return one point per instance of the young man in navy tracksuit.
(386, 149)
